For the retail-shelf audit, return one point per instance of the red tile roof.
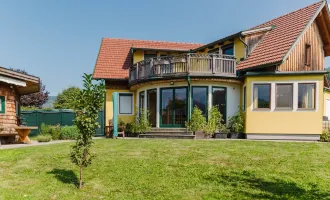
(115, 57)
(277, 42)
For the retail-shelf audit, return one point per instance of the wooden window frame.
(270, 97)
(3, 105)
(308, 55)
(276, 91)
(311, 109)
(126, 94)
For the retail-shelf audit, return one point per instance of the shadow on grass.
(259, 188)
(65, 176)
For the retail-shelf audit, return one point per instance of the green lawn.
(170, 169)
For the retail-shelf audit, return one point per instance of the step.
(168, 129)
(167, 136)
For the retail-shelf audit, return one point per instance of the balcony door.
(173, 107)
(219, 98)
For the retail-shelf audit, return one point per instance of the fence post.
(188, 63)
(213, 64)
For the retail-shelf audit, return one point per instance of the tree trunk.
(80, 178)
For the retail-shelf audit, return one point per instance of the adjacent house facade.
(274, 71)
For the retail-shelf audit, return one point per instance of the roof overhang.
(24, 83)
(277, 73)
(258, 30)
(164, 50)
(233, 36)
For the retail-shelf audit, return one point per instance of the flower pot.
(237, 135)
(221, 135)
(199, 134)
(207, 136)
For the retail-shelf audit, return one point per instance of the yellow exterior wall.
(239, 49)
(284, 122)
(326, 95)
(137, 56)
(109, 107)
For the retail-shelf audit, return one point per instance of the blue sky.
(59, 40)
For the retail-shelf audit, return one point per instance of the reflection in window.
(261, 96)
(199, 95)
(125, 103)
(284, 96)
(306, 95)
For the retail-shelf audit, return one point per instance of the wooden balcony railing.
(187, 64)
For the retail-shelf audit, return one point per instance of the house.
(12, 85)
(274, 71)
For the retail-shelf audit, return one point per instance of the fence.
(54, 117)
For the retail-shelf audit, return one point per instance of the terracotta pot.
(221, 135)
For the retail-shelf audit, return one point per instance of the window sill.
(262, 110)
(283, 109)
(306, 110)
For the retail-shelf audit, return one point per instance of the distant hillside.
(49, 103)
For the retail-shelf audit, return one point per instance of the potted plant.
(236, 125)
(214, 122)
(222, 132)
(197, 123)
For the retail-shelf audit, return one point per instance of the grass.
(170, 169)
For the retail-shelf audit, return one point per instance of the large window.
(306, 96)
(284, 96)
(2, 104)
(125, 103)
(152, 106)
(199, 98)
(219, 98)
(228, 49)
(261, 96)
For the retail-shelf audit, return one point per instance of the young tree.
(88, 103)
(36, 99)
(64, 100)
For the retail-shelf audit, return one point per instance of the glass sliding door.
(180, 106)
(219, 98)
(167, 107)
(200, 98)
(152, 106)
(173, 107)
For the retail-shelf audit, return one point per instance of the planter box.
(221, 135)
(199, 134)
(237, 135)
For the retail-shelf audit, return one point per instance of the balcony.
(192, 64)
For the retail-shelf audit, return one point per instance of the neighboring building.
(12, 85)
(275, 71)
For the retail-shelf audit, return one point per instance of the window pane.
(228, 50)
(219, 99)
(141, 99)
(125, 104)
(200, 98)
(284, 93)
(306, 95)
(261, 93)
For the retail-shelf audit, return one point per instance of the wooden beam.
(323, 27)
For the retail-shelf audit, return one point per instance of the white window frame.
(132, 103)
(295, 96)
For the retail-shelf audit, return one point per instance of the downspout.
(246, 46)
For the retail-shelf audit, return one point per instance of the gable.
(296, 58)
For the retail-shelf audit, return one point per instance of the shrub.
(325, 136)
(142, 124)
(43, 138)
(197, 121)
(53, 131)
(236, 122)
(69, 133)
(214, 122)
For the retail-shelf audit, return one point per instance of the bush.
(69, 133)
(53, 131)
(236, 122)
(142, 124)
(197, 121)
(43, 138)
(325, 136)
(214, 122)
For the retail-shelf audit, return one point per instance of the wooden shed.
(12, 85)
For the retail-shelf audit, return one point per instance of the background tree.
(88, 103)
(36, 99)
(64, 100)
